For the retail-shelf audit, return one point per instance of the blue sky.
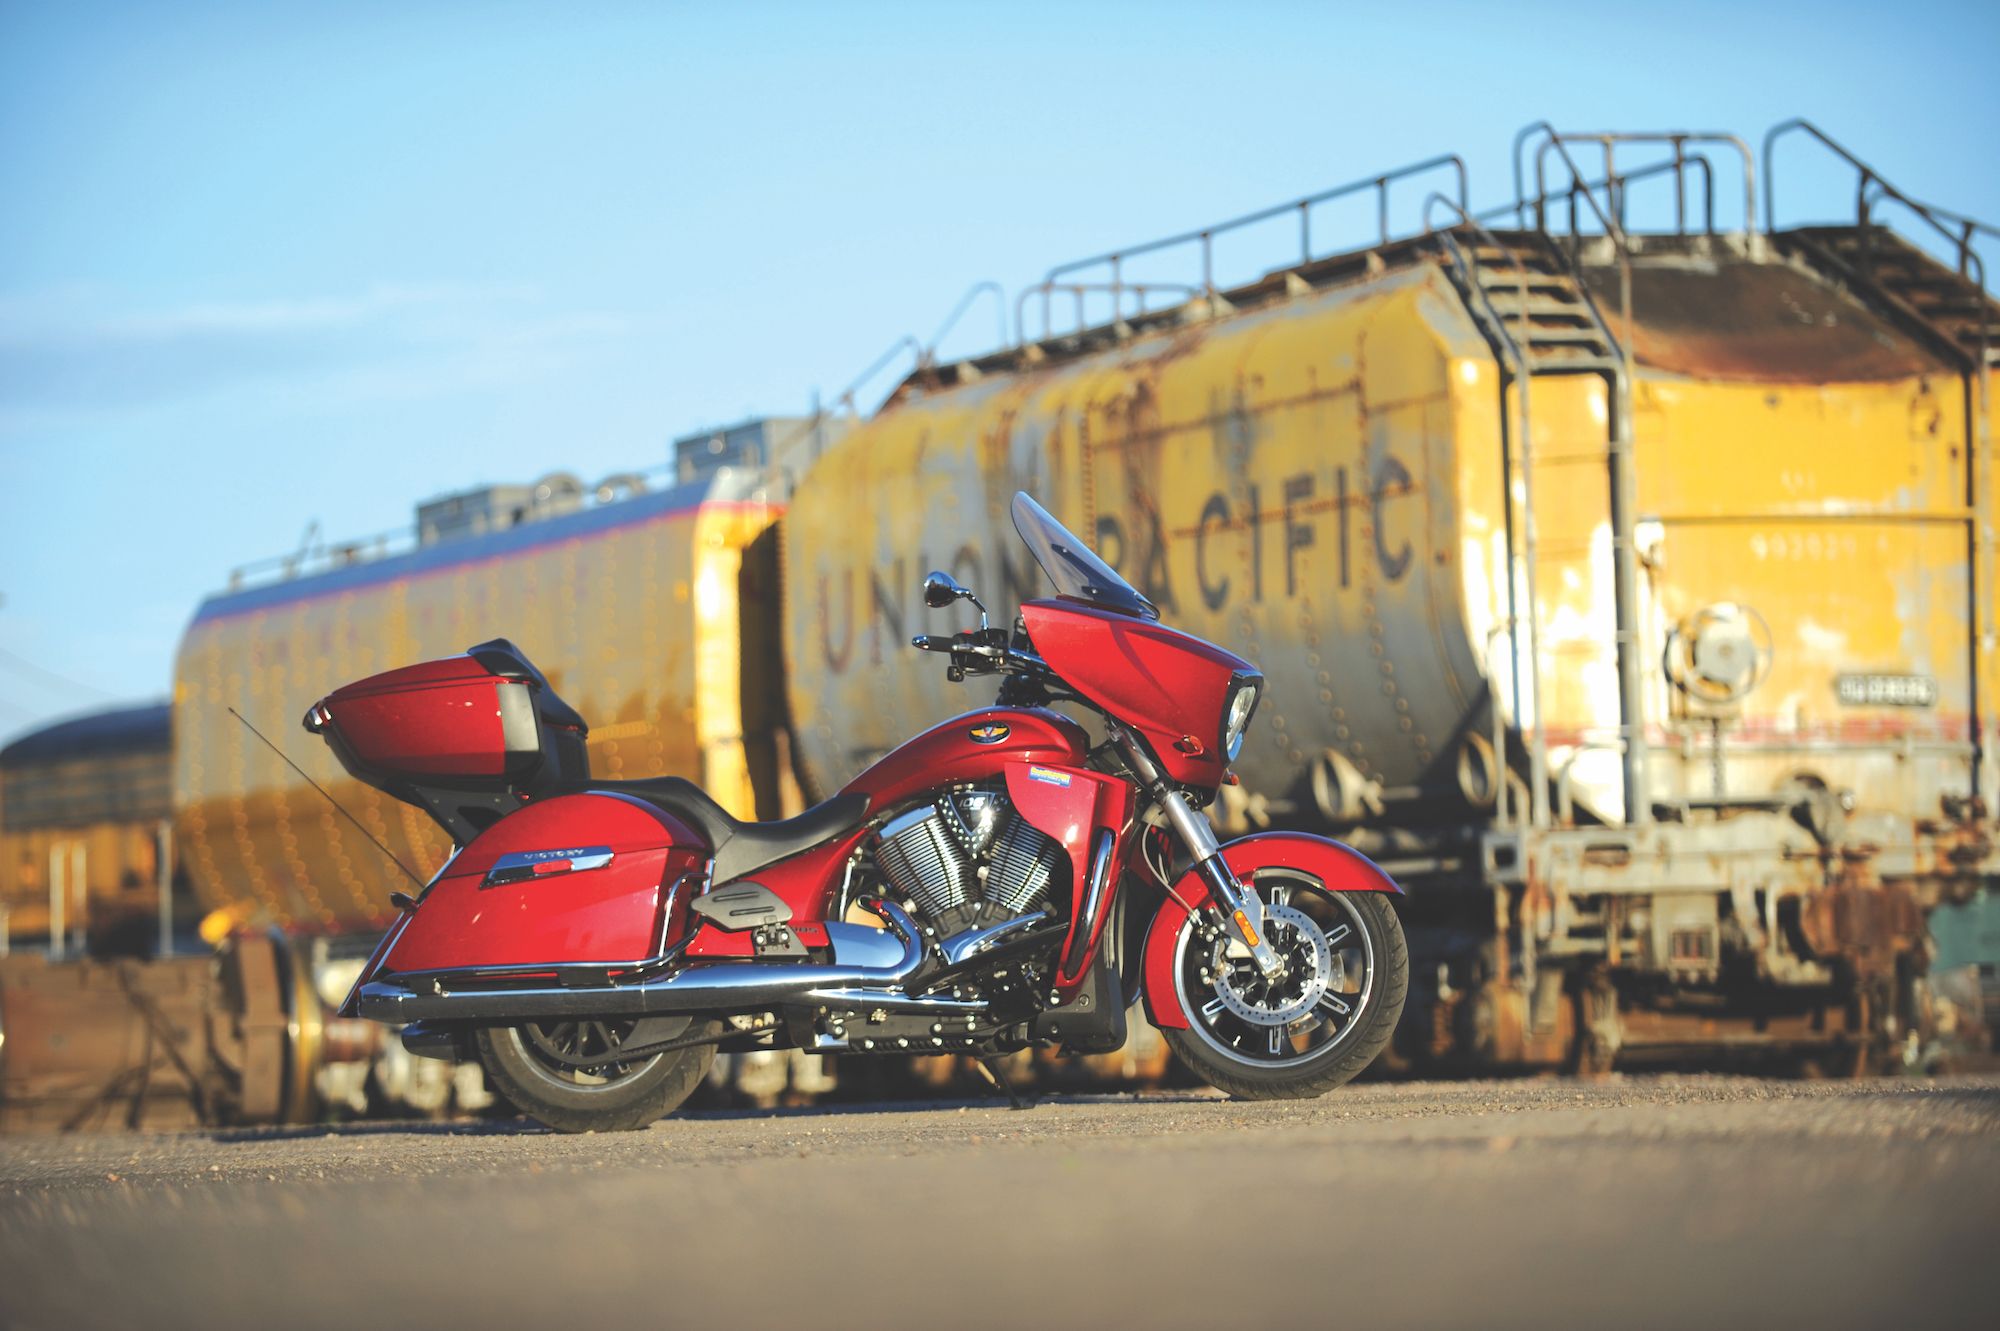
(263, 265)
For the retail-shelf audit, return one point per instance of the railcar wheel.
(1323, 1023)
(536, 1066)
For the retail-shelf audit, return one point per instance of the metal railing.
(815, 423)
(1956, 229)
(1131, 298)
(919, 357)
(1081, 291)
(1501, 812)
(315, 557)
(320, 557)
(1968, 227)
(1205, 237)
(1608, 145)
(965, 302)
(1616, 188)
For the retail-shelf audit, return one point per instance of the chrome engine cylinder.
(1024, 858)
(918, 854)
(936, 854)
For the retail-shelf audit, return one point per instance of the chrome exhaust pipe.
(876, 977)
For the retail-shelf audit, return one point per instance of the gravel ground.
(1710, 1201)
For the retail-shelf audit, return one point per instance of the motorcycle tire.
(568, 1102)
(1342, 1061)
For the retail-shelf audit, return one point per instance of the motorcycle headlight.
(1236, 717)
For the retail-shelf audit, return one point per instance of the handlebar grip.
(927, 642)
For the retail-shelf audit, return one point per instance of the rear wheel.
(1318, 1027)
(569, 1076)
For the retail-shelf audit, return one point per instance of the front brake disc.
(1249, 996)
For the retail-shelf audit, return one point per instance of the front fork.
(1241, 909)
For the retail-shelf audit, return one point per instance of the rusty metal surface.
(239, 1036)
(1866, 923)
(156, 1045)
(1724, 318)
(95, 1045)
(253, 1032)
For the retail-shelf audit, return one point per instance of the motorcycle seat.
(743, 848)
(739, 848)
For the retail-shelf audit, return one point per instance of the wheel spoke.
(1329, 949)
(585, 1053)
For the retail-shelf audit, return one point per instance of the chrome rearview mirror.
(941, 589)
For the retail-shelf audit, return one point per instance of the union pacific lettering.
(1287, 522)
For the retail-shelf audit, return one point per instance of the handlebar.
(978, 652)
(990, 651)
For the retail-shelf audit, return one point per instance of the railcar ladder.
(1528, 298)
(1526, 292)
(1533, 291)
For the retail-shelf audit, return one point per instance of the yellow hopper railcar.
(1628, 593)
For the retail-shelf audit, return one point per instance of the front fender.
(1337, 868)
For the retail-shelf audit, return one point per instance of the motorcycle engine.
(969, 860)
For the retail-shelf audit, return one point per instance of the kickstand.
(996, 1077)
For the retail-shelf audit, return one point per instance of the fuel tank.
(971, 747)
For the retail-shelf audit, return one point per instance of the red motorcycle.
(998, 882)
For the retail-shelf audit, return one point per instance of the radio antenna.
(331, 800)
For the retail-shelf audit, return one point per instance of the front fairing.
(1169, 686)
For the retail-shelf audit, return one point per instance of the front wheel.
(568, 1074)
(1315, 1029)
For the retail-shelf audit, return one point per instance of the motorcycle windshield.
(1073, 566)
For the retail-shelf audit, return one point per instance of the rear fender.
(1335, 867)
